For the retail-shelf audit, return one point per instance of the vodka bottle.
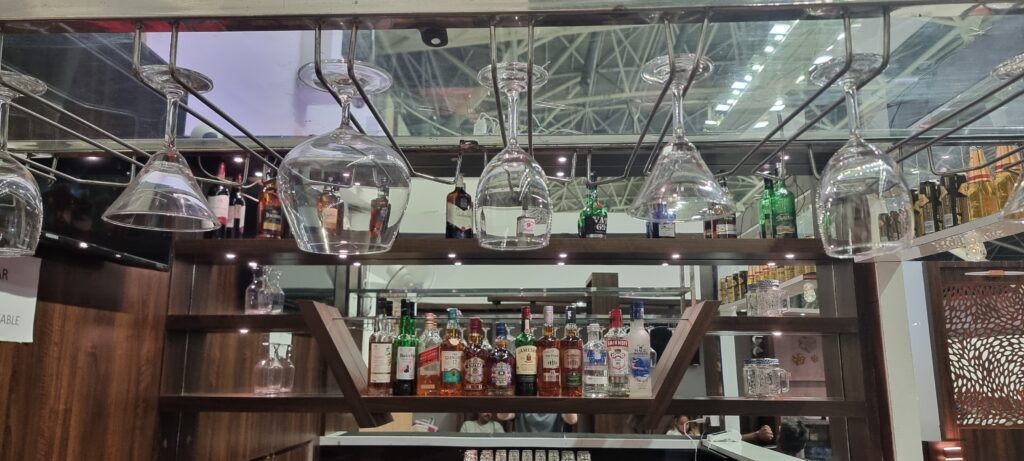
(618, 357)
(595, 371)
(639, 354)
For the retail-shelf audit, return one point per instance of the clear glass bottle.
(381, 352)
(571, 349)
(451, 350)
(618, 356)
(501, 364)
(526, 357)
(550, 358)
(275, 290)
(262, 380)
(257, 294)
(766, 218)
(640, 353)
(428, 359)
(288, 377)
(725, 227)
(595, 368)
(475, 360)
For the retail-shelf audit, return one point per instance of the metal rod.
(886, 53)
(494, 84)
(814, 165)
(318, 68)
(529, 88)
(34, 171)
(848, 53)
(172, 65)
(657, 147)
(74, 133)
(946, 172)
(376, 115)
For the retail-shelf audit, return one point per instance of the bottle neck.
(475, 337)
(637, 323)
(571, 330)
(526, 327)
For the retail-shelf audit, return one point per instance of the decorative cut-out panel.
(985, 333)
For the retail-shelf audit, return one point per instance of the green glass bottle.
(593, 221)
(783, 208)
(766, 217)
(405, 353)
(526, 358)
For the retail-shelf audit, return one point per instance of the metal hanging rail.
(318, 69)
(494, 85)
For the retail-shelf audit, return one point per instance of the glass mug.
(764, 378)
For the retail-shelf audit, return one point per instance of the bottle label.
(526, 360)
(947, 220)
(572, 359)
(785, 227)
(618, 357)
(220, 206)
(430, 362)
(380, 363)
(451, 364)
(525, 226)
(551, 358)
(329, 218)
(501, 375)
(474, 379)
(271, 220)
(405, 363)
(236, 212)
(640, 366)
(725, 229)
(595, 226)
(597, 359)
(460, 218)
(666, 229)
(592, 380)
(929, 224)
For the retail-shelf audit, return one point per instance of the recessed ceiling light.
(785, 157)
(757, 67)
(562, 159)
(451, 255)
(560, 263)
(790, 255)
(771, 264)
(343, 256)
(458, 263)
(238, 159)
(243, 331)
(675, 255)
(769, 49)
(777, 333)
(92, 158)
(357, 264)
(258, 174)
(230, 256)
(253, 264)
(664, 264)
(563, 255)
(739, 85)
(559, 174)
(83, 245)
(748, 77)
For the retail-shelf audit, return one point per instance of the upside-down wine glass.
(1014, 208)
(864, 206)
(680, 187)
(513, 208)
(344, 193)
(21, 204)
(164, 196)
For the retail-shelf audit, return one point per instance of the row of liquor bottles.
(733, 287)
(525, 455)
(616, 364)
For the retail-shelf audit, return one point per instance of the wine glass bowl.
(861, 68)
(1009, 68)
(343, 192)
(21, 204)
(159, 76)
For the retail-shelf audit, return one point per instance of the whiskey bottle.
(1006, 175)
(915, 197)
(452, 356)
(710, 229)
(459, 212)
(960, 200)
(405, 354)
(766, 217)
(980, 190)
(331, 209)
(595, 371)
(236, 214)
(783, 207)
(640, 361)
(381, 345)
(271, 216)
(219, 198)
(661, 230)
(593, 220)
(380, 213)
(618, 356)
(526, 358)
(571, 348)
(927, 193)
(550, 373)
(948, 191)
(428, 359)
(725, 227)
(474, 360)
(501, 364)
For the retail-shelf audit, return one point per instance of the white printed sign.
(19, 282)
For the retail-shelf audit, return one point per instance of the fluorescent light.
(723, 107)
(230, 256)
(562, 159)
(777, 107)
(559, 174)
(736, 92)
(761, 124)
(739, 85)
(711, 122)
(748, 77)
(779, 29)
(823, 59)
(730, 101)
(801, 78)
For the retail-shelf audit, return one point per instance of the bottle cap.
(431, 320)
(636, 311)
(500, 329)
(616, 317)
(549, 314)
(453, 314)
(570, 315)
(595, 328)
(526, 313)
(475, 324)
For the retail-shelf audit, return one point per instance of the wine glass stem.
(513, 117)
(346, 106)
(5, 111)
(678, 115)
(171, 126)
(852, 109)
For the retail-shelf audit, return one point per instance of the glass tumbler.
(764, 378)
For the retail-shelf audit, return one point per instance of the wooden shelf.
(767, 325)
(434, 249)
(334, 403)
(235, 322)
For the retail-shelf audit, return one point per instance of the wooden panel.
(940, 355)
(992, 444)
(87, 387)
(234, 322)
(223, 362)
(434, 249)
(878, 425)
(245, 436)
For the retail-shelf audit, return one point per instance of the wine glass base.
(865, 250)
(15, 252)
(346, 248)
(658, 69)
(373, 79)
(1009, 68)
(512, 76)
(864, 64)
(159, 76)
(22, 82)
(514, 244)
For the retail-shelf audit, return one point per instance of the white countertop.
(507, 440)
(744, 451)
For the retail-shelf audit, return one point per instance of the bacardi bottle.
(595, 371)
(526, 358)
(405, 354)
(474, 360)
(428, 360)
(639, 354)
(451, 356)
(618, 356)
(571, 348)
(501, 364)
(459, 214)
(550, 358)
(381, 351)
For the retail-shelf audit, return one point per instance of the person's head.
(484, 418)
(792, 437)
(682, 421)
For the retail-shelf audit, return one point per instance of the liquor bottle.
(1006, 176)
(951, 201)
(783, 207)
(331, 209)
(501, 364)
(526, 358)
(474, 358)
(550, 372)
(525, 225)
(593, 220)
(459, 214)
(640, 353)
(710, 229)
(766, 218)
(271, 216)
(219, 198)
(960, 200)
(405, 354)
(381, 345)
(918, 216)
(926, 195)
(662, 230)
(595, 371)
(428, 359)
(571, 348)
(980, 190)
(618, 356)
(380, 213)
(451, 356)
(725, 227)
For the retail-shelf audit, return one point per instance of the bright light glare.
(769, 49)
(822, 59)
(723, 107)
(748, 77)
(801, 78)
(761, 124)
(739, 85)
(779, 29)
(777, 107)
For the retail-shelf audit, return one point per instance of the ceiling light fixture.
(790, 255)
(562, 159)
(723, 108)
(230, 256)
(769, 49)
(675, 256)
(739, 85)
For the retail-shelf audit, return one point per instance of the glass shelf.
(647, 292)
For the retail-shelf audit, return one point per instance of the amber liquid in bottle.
(474, 357)
(331, 210)
(1006, 177)
(980, 189)
(271, 219)
(451, 356)
(571, 347)
(381, 351)
(501, 365)
(428, 360)
(550, 373)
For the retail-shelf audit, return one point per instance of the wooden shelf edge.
(234, 322)
(766, 325)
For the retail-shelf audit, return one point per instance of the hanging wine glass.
(680, 187)
(164, 195)
(343, 192)
(513, 210)
(1014, 208)
(21, 204)
(864, 206)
